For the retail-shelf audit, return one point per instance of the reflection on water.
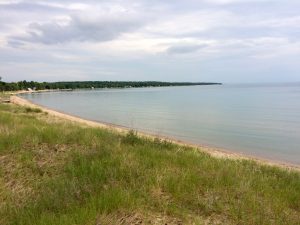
(260, 120)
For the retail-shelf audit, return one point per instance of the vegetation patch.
(57, 172)
(33, 110)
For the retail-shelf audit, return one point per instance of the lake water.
(257, 120)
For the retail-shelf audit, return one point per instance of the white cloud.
(224, 2)
(193, 22)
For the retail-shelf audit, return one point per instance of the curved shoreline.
(213, 151)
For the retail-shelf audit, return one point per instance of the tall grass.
(61, 173)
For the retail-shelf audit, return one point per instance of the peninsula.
(24, 85)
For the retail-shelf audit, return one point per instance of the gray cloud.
(185, 48)
(81, 29)
(127, 37)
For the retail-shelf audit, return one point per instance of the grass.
(56, 172)
(4, 96)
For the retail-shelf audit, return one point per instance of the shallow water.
(257, 120)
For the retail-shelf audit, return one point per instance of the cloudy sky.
(171, 40)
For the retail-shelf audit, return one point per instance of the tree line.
(25, 85)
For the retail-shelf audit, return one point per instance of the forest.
(25, 85)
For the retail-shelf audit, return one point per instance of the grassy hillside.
(55, 172)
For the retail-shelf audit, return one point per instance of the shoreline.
(213, 151)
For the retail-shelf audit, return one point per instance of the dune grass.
(4, 96)
(56, 172)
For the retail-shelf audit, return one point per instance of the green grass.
(56, 172)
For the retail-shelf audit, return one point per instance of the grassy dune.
(56, 172)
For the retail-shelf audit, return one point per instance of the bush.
(131, 138)
(32, 110)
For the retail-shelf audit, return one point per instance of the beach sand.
(216, 152)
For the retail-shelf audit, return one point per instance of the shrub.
(32, 110)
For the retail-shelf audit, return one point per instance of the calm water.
(262, 121)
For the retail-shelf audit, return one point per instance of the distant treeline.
(24, 85)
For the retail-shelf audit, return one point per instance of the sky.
(229, 41)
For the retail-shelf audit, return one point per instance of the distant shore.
(72, 85)
(213, 151)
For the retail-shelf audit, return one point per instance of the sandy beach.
(216, 152)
